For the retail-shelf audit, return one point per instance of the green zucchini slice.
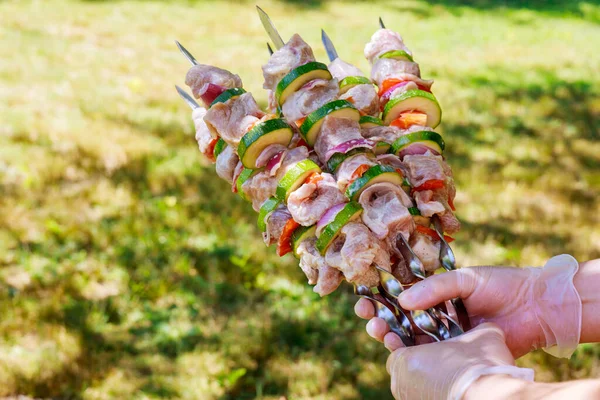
(350, 212)
(430, 139)
(375, 174)
(298, 77)
(414, 100)
(311, 127)
(295, 177)
(273, 131)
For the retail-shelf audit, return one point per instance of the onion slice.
(386, 96)
(328, 217)
(209, 92)
(416, 148)
(349, 145)
(275, 162)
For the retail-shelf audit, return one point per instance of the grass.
(129, 271)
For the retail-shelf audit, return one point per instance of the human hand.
(418, 373)
(531, 305)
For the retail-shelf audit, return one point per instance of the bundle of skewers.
(346, 172)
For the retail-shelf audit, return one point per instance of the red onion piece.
(416, 148)
(349, 145)
(328, 217)
(210, 92)
(275, 162)
(386, 96)
(269, 152)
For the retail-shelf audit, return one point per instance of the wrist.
(497, 387)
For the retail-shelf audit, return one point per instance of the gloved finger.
(439, 288)
(377, 328)
(364, 309)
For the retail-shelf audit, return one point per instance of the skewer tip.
(381, 24)
(269, 48)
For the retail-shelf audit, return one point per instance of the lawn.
(127, 270)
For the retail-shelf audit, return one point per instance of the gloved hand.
(445, 370)
(535, 307)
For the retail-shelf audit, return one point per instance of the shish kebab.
(255, 118)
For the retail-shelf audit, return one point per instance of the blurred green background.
(128, 270)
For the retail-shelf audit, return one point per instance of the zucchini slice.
(295, 177)
(338, 158)
(350, 81)
(300, 234)
(267, 207)
(430, 139)
(273, 131)
(381, 148)
(350, 212)
(227, 95)
(397, 55)
(413, 100)
(219, 147)
(367, 121)
(375, 174)
(246, 174)
(311, 127)
(298, 77)
(414, 211)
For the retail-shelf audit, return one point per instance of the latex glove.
(535, 307)
(445, 370)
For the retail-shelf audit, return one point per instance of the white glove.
(445, 370)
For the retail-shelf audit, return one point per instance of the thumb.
(439, 288)
(391, 360)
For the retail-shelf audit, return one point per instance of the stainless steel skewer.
(187, 98)
(388, 313)
(269, 48)
(381, 23)
(329, 47)
(186, 53)
(270, 28)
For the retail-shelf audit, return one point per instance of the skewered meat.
(309, 202)
(310, 97)
(427, 206)
(262, 185)
(387, 134)
(226, 164)
(385, 211)
(340, 69)
(382, 41)
(335, 131)
(233, 118)
(427, 250)
(364, 98)
(349, 165)
(312, 263)
(275, 224)
(387, 68)
(354, 252)
(203, 136)
(296, 52)
(200, 76)
(423, 168)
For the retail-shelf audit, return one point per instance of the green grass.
(129, 271)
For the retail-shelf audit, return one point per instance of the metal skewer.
(388, 312)
(381, 23)
(187, 98)
(269, 48)
(186, 53)
(270, 28)
(428, 321)
(329, 47)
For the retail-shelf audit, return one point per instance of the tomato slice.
(387, 84)
(358, 172)
(284, 244)
(408, 119)
(300, 121)
(432, 233)
(210, 151)
(314, 178)
(302, 143)
(430, 185)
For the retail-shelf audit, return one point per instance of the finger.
(392, 342)
(392, 358)
(439, 288)
(364, 309)
(377, 328)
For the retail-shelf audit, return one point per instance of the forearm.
(501, 387)
(587, 282)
